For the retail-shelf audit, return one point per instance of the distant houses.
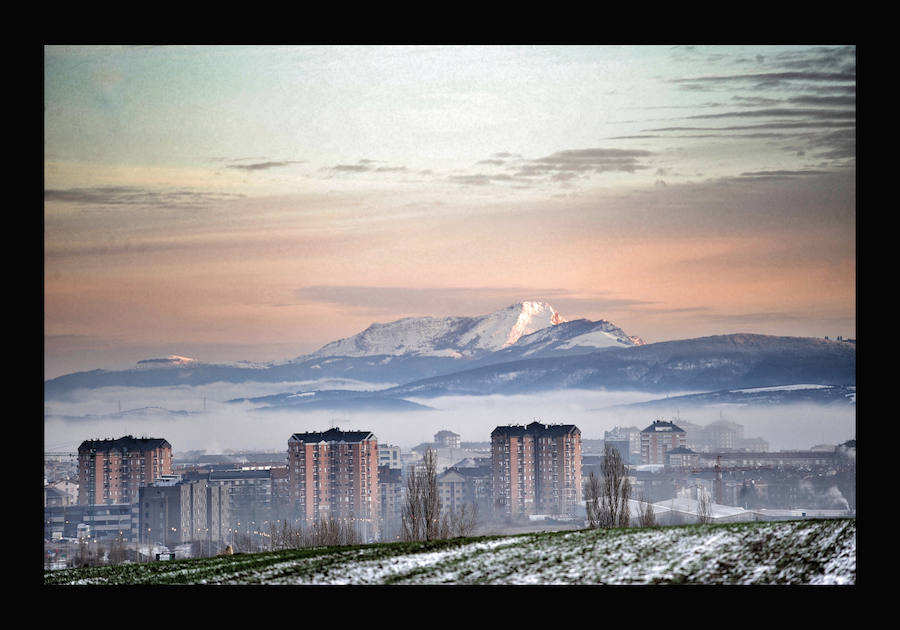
(130, 488)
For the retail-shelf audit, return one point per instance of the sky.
(257, 202)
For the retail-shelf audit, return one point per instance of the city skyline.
(257, 202)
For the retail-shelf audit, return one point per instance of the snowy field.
(806, 552)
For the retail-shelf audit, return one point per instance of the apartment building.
(174, 511)
(334, 475)
(391, 493)
(536, 469)
(658, 439)
(111, 471)
(389, 455)
(627, 440)
(447, 439)
(249, 490)
(452, 490)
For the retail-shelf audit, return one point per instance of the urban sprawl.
(129, 499)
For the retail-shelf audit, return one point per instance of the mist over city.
(199, 419)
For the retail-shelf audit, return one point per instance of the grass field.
(805, 552)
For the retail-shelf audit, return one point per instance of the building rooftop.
(127, 443)
(332, 435)
(536, 429)
(663, 426)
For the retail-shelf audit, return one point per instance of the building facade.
(658, 439)
(627, 440)
(447, 439)
(334, 475)
(391, 493)
(536, 469)
(173, 511)
(389, 455)
(112, 471)
(101, 523)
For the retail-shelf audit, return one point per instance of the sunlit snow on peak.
(533, 317)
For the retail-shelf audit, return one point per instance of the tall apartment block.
(536, 469)
(658, 439)
(334, 475)
(112, 471)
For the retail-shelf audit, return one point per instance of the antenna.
(334, 422)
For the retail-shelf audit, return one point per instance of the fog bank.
(199, 418)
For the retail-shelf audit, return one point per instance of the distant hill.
(703, 364)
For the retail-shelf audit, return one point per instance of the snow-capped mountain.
(573, 337)
(457, 337)
(173, 360)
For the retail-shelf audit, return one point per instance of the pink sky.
(221, 246)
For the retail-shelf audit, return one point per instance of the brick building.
(112, 471)
(334, 475)
(536, 469)
(658, 439)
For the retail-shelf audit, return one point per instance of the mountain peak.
(533, 316)
(459, 337)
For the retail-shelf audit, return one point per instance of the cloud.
(366, 166)
(561, 166)
(767, 79)
(782, 174)
(353, 168)
(135, 196)
(480, 179)
(592, 160)
(782, 112)
(262, 166)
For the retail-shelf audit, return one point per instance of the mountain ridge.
(454, 336)
(526, 347)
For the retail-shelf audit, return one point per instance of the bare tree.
(423, 516)
(704, 509)
(592, 491)
(464, 519)
(412, 515)
(117, 553)
(326, 532)
(332, 532)
(421, 511)
(606, 498)
(646, 517)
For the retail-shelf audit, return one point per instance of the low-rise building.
(681, 457)
(102, 523)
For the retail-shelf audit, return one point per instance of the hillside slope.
(785, 552)
(702, 364)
